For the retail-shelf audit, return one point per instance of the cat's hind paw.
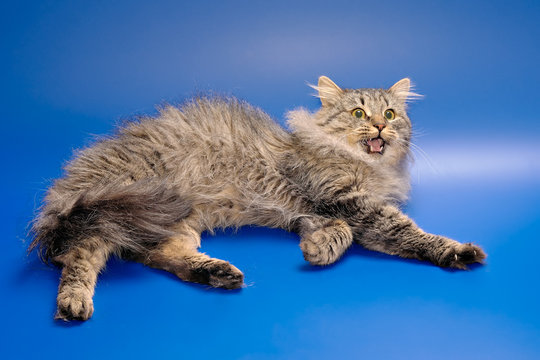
(221, 274)
(461, 255)
(74, 304)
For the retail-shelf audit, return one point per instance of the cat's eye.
(359, 113)
(389, 114)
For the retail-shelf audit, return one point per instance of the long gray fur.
(148, 192)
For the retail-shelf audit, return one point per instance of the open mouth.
(375, 145)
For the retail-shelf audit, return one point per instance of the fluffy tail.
(131, 217)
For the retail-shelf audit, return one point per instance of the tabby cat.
(147, 193)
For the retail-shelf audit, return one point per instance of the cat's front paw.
(74, 303)
(326, 245)
(460, 255)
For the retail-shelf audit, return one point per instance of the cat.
(148, 192)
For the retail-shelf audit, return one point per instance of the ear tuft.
(403, 91)
(329, 92)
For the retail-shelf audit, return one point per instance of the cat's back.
(224, 124)
(208, 142)
(187, 140)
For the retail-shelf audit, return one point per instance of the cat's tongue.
(375, 145)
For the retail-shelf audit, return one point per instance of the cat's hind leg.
(179, 255)
(80, 269)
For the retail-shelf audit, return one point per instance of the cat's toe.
(461, 255)
(317, 251)
(326, 245)
(225, 275)
(74, 304)
(470, 253)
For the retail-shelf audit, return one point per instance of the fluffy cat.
(148, 192)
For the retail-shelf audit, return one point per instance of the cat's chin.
(374, 146)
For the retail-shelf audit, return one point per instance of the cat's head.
(371, 124)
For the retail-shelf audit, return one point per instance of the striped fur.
(149, 191)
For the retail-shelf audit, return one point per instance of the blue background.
(75, 68)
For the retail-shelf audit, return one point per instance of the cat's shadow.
(358, 251)
(119, 270)
(196, 286)
(249, 233)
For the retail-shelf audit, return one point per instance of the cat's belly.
(232, 208)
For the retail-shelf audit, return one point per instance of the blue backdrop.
(71, 69)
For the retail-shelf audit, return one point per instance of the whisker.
(418, 133)
(424, 155)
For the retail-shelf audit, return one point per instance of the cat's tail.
(129, 217)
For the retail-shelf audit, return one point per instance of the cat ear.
(403, 90)
(329, 92)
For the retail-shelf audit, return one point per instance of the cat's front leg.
(386, 229)
(324, 241)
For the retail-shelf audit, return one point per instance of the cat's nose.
(380, 126)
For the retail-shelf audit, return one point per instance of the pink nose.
(380, 126)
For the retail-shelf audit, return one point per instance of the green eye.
(389, 114)
(359, 113)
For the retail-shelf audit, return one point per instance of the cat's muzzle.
(374, 145)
